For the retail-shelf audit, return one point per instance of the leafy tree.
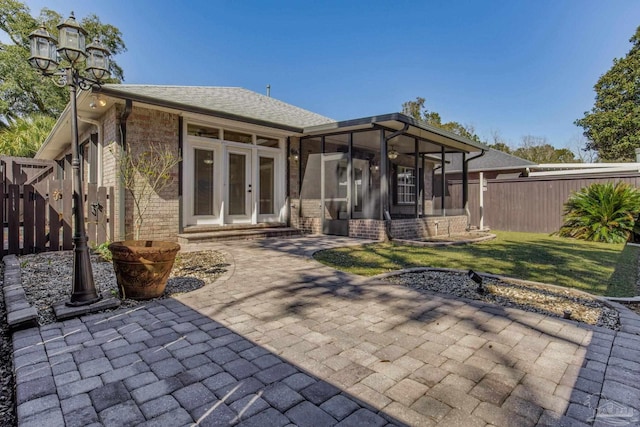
(601, 212)
(24, 135)
(417, 110)
(538, 150)
(501, 146)
(613, 124)
(498, 142)
(23, 90)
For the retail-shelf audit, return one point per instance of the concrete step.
(238, 234)
(198, 229)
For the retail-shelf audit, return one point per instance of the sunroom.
(373, 178)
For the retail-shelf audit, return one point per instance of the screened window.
(406, 185)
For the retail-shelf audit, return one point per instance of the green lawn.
(560, 261)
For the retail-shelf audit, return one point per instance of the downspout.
(123, 146)
(384, 178)
(96, 123)
(465, 185)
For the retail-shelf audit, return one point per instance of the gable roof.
(235, 103)
(492, 160)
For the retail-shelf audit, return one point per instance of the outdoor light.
(43, 51)
(392, 154)
(294, 154)
(71, 46)
(71, 40)
(476, 278)
(97, 101)
(97, 60)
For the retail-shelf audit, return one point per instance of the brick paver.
(281, 339)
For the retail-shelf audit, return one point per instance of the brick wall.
(422, 228)
(367, 229)
(144, 126)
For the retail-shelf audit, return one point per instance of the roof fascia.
(64, 117)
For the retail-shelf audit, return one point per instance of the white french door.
(239, 191)
(227, 183)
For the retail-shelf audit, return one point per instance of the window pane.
(406, 185)
(203, 190)
(237, 184)
(266, 185)
(267, 142)
(245, 138)
(203, 131)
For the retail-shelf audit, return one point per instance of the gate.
(36, 209)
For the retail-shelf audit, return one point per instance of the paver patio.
(281, 339)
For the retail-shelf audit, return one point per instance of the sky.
(513, 67)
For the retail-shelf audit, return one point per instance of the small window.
(232, 136)
(406, 185)
(203, 131)
(268, 142)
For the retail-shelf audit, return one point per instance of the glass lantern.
(43, 50)
(71, 45)
(97, 60)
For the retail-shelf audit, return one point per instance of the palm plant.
(601, 213)
(24, 135)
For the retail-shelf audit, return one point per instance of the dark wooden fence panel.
(67, 208)
(55, 215)
(533, 204)
(37, 217)
(28, 218)
(13, 218)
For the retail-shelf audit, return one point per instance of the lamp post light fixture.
(45, 54)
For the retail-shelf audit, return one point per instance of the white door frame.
(189, 192)
(221, 150)
(248, 192)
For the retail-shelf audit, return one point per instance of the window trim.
(406, 189)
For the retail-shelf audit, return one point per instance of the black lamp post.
(44, 57)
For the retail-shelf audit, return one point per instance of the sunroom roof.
(397, 121)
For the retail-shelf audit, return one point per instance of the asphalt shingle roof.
(227, 100)
(492, 160)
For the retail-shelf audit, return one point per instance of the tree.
(613, 124)
(538, 150)
(417, 110)
(24, 135)
(144, 175)
(23, 90)
(601, 212)
(498, 142)
(579, 144)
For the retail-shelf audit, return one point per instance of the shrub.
(601, 213)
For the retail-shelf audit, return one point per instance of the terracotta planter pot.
(142, 267)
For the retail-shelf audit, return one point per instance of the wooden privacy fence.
(38, 218)
(530, 204)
